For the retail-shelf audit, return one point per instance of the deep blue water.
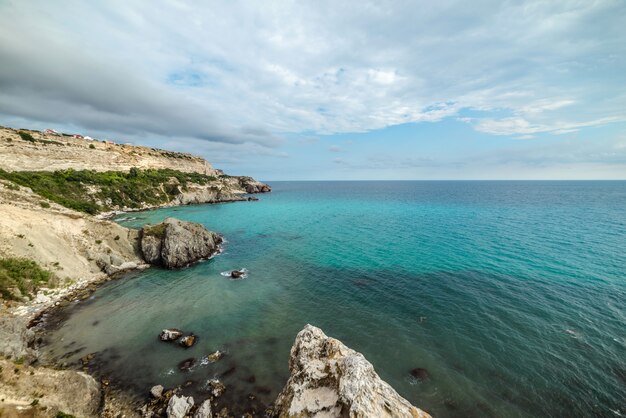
(511, 294)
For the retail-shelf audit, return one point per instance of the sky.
(329, 90)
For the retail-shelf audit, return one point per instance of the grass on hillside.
(93, 192)
(22, 274)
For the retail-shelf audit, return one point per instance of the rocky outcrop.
(331, 380)
(42, 392)
(251, 185)
(174, 243)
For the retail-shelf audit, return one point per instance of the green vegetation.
(12, 186)
(92, 146)
(157, 231)
(22, 274)
(44, 204)
(26, 136)
(63, 415)
(92, 192)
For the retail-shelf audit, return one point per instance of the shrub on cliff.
(93, 191)
(21, 277)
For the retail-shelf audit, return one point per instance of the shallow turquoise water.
(511, 294)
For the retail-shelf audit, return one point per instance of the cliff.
(25, 150)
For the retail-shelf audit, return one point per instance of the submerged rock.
(188, 340)
(204, 411)
(179, 406)
(330, 379)
(175, 244)
(420, 374)
(170, 334)
(187, 364)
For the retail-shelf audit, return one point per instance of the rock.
(116, 260)
(170, 334)
(176, 244)
(187, 364)
(330, 379)
(252, 199)
(72, 392)
(213, 357)
(253, 186)
(188, 340)
(420, 374)
(217, 387)
(178, 406)
(236, 274)
(156, 391)
(204, 411)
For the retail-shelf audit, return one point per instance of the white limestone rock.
(329, 379)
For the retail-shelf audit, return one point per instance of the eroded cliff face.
(52, 152)
(329, 379)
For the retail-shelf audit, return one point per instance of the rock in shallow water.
(187, 364)
(188, 340)
(330, 379)
(237, 274)
(170, 334)
(175, 244)
(179, 406)
(213, 357)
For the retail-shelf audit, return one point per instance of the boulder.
(175, 244)
(216, 387)
(188, 340)
(179, 406)
(204, 411)
(213, 357)
(170, 334)
(237, 274)
(156, 391)
(332, 380)
(187, 364)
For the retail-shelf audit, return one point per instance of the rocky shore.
(81, 251)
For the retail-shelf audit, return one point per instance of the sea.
(510, 294)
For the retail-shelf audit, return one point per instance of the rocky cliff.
(329, 379)
(25, 150)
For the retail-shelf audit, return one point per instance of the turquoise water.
(511, 294)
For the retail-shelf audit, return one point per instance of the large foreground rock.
(331, 380)
(68, 391)
(174, 243)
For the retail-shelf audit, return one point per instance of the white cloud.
(245, 72)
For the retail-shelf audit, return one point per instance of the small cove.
(510, 294)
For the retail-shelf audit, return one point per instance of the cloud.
(334, 148)
(244, 72)
(521, 126)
